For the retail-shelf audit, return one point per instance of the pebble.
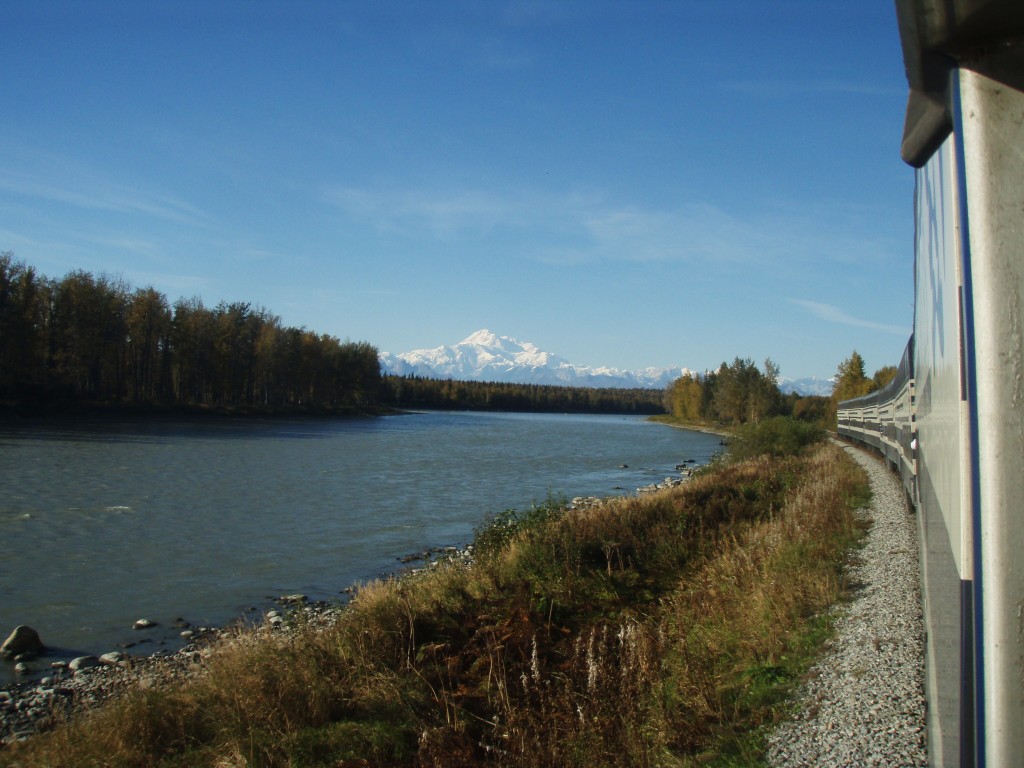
(864, 703)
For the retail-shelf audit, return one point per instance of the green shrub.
(494, 535)
(777, 436)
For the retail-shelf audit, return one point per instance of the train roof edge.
(939, 35)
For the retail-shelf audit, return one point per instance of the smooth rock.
(144, 624)
(22, 640)
(83, 662)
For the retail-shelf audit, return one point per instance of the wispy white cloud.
(833, 314)
(694, 233)
(577, 226)
(13, 240)
(581, 227)
(99, 195)
(445, 214)
(59, 180)
(124, 242)
(702, 234)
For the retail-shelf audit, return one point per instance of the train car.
(954, 424)
(884, 420)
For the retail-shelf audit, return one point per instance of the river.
(107, 522)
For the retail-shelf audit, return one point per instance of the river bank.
(554, 647)
(707, 429)
(70, 689)
(206, 520)
(51, 691)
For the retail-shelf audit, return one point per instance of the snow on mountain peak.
(482, 338)
(485, 356)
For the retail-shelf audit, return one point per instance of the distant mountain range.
(485, 356)
(811, 385)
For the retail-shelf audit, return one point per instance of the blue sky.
(628, 184)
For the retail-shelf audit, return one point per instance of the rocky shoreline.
(31, 707)
(68, 687)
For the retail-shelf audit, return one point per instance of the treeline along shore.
(88, 343)
(83, 339)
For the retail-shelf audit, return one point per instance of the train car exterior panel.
(991, 123)
(942, 473)
(937, 337)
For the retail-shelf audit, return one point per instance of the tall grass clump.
(662, 630)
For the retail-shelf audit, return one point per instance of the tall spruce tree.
(850, 379)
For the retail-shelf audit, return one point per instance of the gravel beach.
(864, 702)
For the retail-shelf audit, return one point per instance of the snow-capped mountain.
(485, 356)
(809, 386)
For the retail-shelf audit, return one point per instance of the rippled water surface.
(106, 523)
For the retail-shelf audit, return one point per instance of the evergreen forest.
(88, 339)
(419, 392)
